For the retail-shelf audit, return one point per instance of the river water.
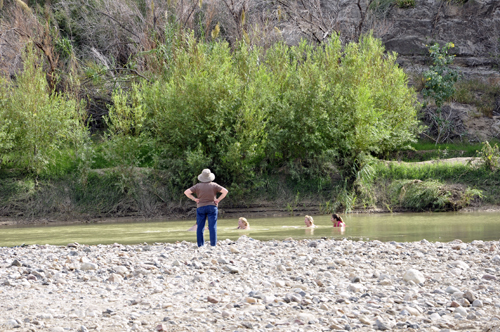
(403, 227)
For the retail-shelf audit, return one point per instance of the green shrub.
(405, 3)
(418, 195)
(213, 105)
(440, 82)
(381, 7)
(432, 195)
(490, 155)
(478, 93)
(40, 128)
(244, 112)
(459, 2)
(126, 115)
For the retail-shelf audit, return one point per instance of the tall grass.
(439, 171)
(474, 177)
(427, 150)
(418, 195)
(479, 93)
(467, 148)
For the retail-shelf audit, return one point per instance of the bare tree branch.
(311, 18)
(363, 13)
(190, 13)
(318, 19)
(236, 10)
(117, 22)
(132, 71)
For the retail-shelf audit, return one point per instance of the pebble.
(469, 296)
(489, 277)
(161, 327)
(365, 320)
(477, 304)
(381, 325)
(414, 275)
(435, 316)
(452, 290)
(292, 285)
(115, 278)
(121, 270)
(413, 311)
(12, 323)
(56, 329)
(462, 311)
(212, 299)
(88, 266)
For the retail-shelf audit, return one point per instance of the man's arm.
(221, 197)
(189, 194)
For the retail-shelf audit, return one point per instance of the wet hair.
(310, 219)
(337, 217)
(245, 221)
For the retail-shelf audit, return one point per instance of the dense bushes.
(41, 129)
(246, 112)
(249, 111)
(272, 121)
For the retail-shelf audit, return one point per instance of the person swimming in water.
(309, 221)
(243, 223)
(337, 220)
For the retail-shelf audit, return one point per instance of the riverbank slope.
(438, 185)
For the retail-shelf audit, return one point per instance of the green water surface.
(405, 227)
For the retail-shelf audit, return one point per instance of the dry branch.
(317, 19)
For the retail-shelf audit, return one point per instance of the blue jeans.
(202, 213)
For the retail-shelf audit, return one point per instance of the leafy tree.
(440, 82)
(347, 103)
(38, 124)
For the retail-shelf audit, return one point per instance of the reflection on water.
(384, 227)
(309, 231)
(338, 230)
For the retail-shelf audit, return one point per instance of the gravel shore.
(307, 285)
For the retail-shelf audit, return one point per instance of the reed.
(470, 177)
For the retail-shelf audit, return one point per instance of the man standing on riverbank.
(207, 205)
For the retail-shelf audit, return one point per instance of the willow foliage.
(248, 110)
(38, 124)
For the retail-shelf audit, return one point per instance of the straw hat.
(206, 176)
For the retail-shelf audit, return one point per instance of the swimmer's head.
(309, 221)
(336, 217)
(243, 223)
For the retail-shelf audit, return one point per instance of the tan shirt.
(206, 192)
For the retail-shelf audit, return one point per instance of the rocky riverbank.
(309, 285)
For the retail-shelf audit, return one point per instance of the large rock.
(116, 278)
(473, 27)
(88, 266)
(414, 275)
(452, 290)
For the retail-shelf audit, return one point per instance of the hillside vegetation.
(113, 108)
